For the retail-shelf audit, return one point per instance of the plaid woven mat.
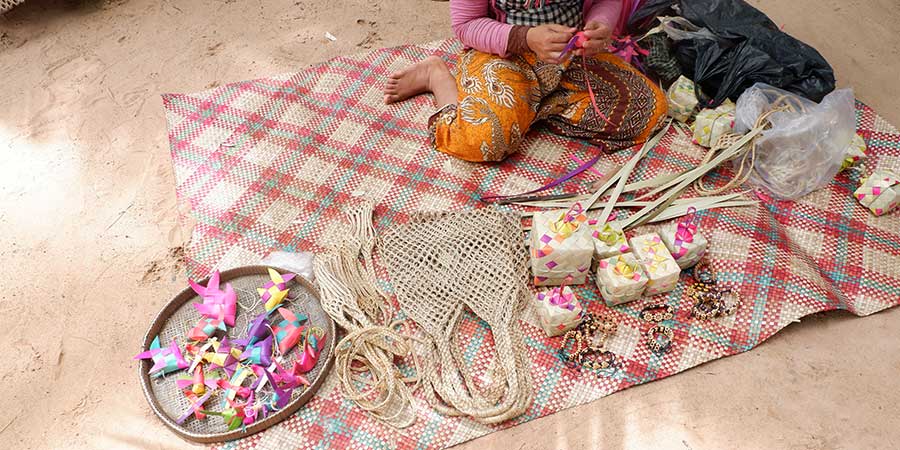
(269, 164)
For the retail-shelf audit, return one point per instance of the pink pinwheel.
(287, 378)
(274, 292)
(282, 395)
(311, 350)
(199, 379)
(226, 355)
(233, 386)
(216, 303)
(165, 360)
(196, 407)
(188, 383)
(289, 331)
(279, 374)
(251, 409)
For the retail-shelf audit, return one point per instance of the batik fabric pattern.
(500, 99)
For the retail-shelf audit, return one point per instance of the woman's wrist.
(517, 43)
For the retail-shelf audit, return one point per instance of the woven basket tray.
(174, 321)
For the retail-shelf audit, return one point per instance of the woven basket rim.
(185, 296)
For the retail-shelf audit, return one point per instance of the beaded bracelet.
(701, 291)
(589, 338)
(705, 310)
(709, 299)
(604, 360)
(654, 343)
(711, 304)
(649, 315)
(728, 309)
(703, 273)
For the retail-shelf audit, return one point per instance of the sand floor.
(90, 243)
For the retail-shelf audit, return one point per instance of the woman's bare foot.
(429, 75)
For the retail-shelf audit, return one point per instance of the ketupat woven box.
(609, 240)
(561, 248)
(686, 244)
(659, 265)
(682, 101)
(711, 124)
(621, 279)
(558, 310)
(880, 192)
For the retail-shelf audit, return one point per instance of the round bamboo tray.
(168, 402)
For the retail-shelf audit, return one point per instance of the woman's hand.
(599, 37)
(548, 41)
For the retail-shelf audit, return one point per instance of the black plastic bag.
(751, 49)
(643, 19)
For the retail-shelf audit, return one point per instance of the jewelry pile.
(588, 349)
(710, 300)
(658, 337)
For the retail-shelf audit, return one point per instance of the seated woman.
(510, 78)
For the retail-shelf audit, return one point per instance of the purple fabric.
(479, 24)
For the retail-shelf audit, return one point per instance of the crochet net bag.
(442, 264)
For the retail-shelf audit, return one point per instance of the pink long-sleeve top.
(479, 24)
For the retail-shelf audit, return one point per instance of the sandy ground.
(91, 246)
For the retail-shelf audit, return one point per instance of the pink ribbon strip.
(578, 41)
(587, 81)
(573, 212)
(501, 199)
(684, 233)
(591, 169)
(557, 298)
(628, 49)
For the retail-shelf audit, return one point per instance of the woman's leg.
(429, 75)
(634, 105)
(497, 100)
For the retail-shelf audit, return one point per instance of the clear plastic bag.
(806, 144)
(680, 29)
(300, 263)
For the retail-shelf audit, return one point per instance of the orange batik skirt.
(500, 99)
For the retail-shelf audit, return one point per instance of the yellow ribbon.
(625, 269)
(568, 221)
(609, 235)
(654, 248)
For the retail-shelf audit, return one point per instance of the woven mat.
(268, 165)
